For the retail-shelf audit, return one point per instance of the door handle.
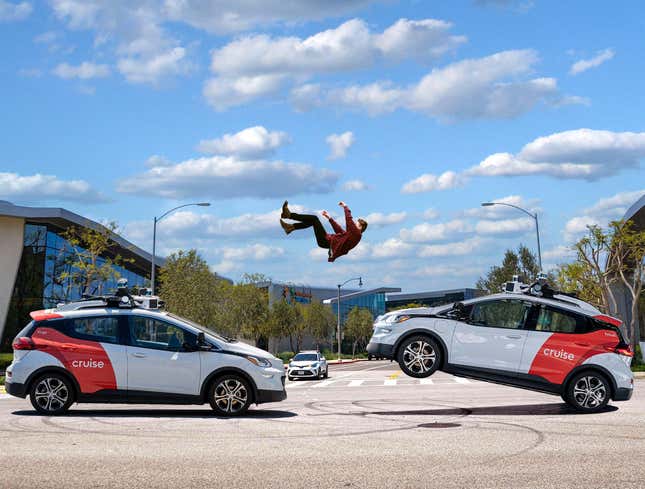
(68, 347)
(581, 343)
(139, 355)
(513, 337)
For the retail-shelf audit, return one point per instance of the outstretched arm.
(349, 222)
(334, 224)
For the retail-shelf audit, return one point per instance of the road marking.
(355, 383)
(461, 380)
(390, 381)
(426, 381)
(325, 383)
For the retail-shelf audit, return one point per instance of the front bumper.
(380, 350)
(271, 396)
(18, 390)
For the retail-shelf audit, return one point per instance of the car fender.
(51, 368)
(228, 370)
(423, 331)
(591, 366)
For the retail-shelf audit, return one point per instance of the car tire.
(230, 395)
(321, 375)
(369, 358)
(51, 394)
(327, 373)
(588, 392)
(419, 356)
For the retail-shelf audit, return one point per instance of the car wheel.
(588, 392)
(327, 372)
(321, 375)
(369, 358)
(51, 394)
(419, 356)
(230, 395)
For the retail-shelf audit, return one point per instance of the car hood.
(239, 347)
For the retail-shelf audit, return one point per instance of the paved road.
(366, 426)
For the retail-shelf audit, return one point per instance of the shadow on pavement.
(520, 410)
(163, 413)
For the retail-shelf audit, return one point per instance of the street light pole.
(535, 218)
(154, 238)
(360, 284)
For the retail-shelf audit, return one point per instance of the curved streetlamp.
(534, 216)
(360, 284)
(154, 237)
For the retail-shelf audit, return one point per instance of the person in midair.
(341, 242)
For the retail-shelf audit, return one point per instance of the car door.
(158, 361)
(558, 341)
(493, 337)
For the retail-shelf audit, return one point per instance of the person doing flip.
(341, 242)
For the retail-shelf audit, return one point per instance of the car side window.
(159, 335)
(101, 329)
(556, 321)
(509, 314)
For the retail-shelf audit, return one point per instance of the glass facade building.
(431, 298)
(46, 272)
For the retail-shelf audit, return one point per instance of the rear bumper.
(380, 349)
(18, 390)
(623, 394)
(271, 396)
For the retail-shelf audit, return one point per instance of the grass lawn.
(638, 368)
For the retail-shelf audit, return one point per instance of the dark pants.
(306, 221)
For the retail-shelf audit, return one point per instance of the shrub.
(285, 356)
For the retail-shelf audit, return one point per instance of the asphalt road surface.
(367, 426)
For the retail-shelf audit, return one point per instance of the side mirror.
(459, 312)
(201, 342)
(290, 360)
(322, 359)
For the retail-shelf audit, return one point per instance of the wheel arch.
(425, 332)
(591, 368)
(215, 374)
(53, 369)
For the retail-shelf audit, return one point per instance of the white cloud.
(379, 219)
(586, 64)
(430, 214)
(339, 144)
(84, 71)
(489, 87)
(252, 142)
(426, 232)
(503, 211)
(505, 226)
(585, 154)
(223, 93)
(355, 186)
(603, 211)
(429, 182)
(10, 12)
(274, 61)
(391, 248)
(558, 254)
(255, 252)
(219, 177)
(40, 187)
(152, 68)
(349, 46)
(468, 246)
(442, 271)
(158, 161)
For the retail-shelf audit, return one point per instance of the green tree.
(284, 319)
(358, 327)
(522, 263)
(191, 290)
(249, 310)
(319, 321)
(93, 260)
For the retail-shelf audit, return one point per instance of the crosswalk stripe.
(389, 382)
(325, 383)
(426, 381)
(355, 383)
(461, 380)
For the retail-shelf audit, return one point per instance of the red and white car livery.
(98, 351)
(556, 344)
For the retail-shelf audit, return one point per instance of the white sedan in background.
(308, 364)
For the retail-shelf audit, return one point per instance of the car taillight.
(625, 351)
(23, 343)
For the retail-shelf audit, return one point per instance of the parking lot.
(365, 426)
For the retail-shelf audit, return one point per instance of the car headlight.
(258, 362)
(397, 319)
(314, 365)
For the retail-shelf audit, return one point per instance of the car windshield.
(305, 357)
(203, 328)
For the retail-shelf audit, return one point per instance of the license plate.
(301, 372)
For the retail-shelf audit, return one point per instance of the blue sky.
(413, 112)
